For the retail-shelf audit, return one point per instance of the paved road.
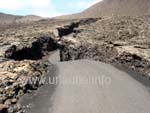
(93, 87)
(55, 57)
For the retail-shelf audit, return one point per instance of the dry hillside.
(114, 7)
(119, 7)
(11, 19)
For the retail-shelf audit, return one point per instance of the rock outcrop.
(14, 82)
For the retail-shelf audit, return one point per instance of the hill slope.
(114, 7)
(9, 19)
(119, 7)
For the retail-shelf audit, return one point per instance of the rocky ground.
(23, 49)
(122, 40)
(14, 82)
(23, 56)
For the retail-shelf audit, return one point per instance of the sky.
(45, 8)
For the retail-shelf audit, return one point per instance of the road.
(91, 87)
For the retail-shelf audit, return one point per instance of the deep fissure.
(38, 49)
(45, 44)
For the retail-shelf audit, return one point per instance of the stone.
(14, 101)
(8, 102)
(3, 108)
(1, 100)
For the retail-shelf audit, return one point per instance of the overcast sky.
(45, 8)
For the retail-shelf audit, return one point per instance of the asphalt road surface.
(87, 86)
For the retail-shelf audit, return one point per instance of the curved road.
(91, 87)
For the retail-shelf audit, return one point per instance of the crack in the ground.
(36, 51)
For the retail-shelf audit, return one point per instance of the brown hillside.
(119, 7)
(114, 7)
(9, 19)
